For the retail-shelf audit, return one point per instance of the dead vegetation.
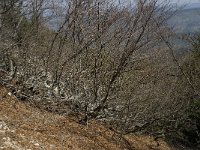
(26, 127)
(102, 62)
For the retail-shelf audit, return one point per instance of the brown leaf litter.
(23, 127)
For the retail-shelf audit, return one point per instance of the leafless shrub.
(102, 60)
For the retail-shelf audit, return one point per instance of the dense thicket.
(105, 61)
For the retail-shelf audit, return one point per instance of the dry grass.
(23, 127)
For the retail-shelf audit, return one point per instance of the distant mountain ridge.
(192, 6)
(186, 20)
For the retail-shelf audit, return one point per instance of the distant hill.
(192, 6)
(186, 20)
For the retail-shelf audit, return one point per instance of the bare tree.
(102, 60)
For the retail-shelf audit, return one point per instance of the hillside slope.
(23, 127)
